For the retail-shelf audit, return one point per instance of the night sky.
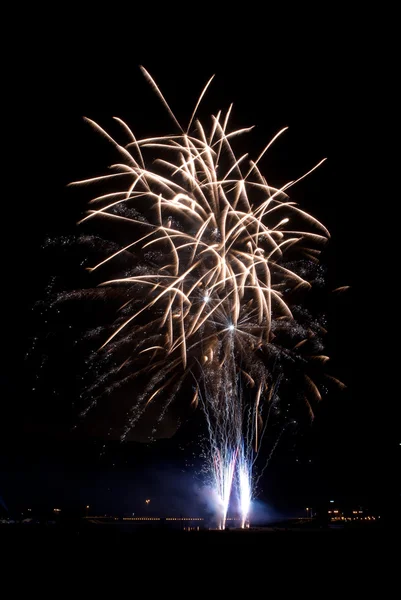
(312, 89)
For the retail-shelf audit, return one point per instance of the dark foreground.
(170, 559)
(97, 536)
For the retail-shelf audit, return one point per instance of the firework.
(245, 488)
(208, 278)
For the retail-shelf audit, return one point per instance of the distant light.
(231, 327)
(331, 500)
(206, 298)
(87, 506)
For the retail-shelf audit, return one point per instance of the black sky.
(311, 87)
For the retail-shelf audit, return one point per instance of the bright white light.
(245, 492)
(206, 299)
(231, 327)
(223, 471)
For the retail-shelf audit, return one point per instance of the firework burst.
(208, 281)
